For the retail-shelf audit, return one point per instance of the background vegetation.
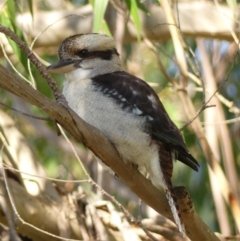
(188, 52)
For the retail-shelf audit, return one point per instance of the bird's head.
(95, 53)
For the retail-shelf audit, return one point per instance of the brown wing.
(136, 96)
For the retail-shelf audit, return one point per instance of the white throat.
(78, 74)
(90, 68)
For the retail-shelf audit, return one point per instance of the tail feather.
(175, 211)
(166, 164)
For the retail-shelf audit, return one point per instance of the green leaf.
(30, 4)
(6, 21)
(99, 8)
(11, 11)
(9, 20)
(133, 8)
(232, 4)
(106, 29)
(142, 7)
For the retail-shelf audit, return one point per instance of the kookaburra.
(124, 108)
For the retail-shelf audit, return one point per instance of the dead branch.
(213, 136)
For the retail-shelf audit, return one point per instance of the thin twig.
(25, 114)
(13, 67)
(17, 215)
(6, 167)
(204, 106)
(129, 216)
(159, 62)
(3, 202)
(30, 55)
(29, 224)
(40, 33)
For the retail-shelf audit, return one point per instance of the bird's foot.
(62, 100)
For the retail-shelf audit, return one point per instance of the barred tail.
(172, 200)
(166, 164)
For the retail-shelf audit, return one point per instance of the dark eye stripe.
(106, 55)
(83, 53)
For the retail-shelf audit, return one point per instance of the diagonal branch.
(92, 138)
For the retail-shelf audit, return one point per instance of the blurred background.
(207, 33)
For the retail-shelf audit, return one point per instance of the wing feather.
(138, 97)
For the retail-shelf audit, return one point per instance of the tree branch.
(98, 143)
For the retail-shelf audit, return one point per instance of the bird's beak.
(63, 66)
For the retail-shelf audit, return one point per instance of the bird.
(124, 108)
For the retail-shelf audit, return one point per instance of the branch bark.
(92, 138)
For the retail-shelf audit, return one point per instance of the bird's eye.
(83, 53)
